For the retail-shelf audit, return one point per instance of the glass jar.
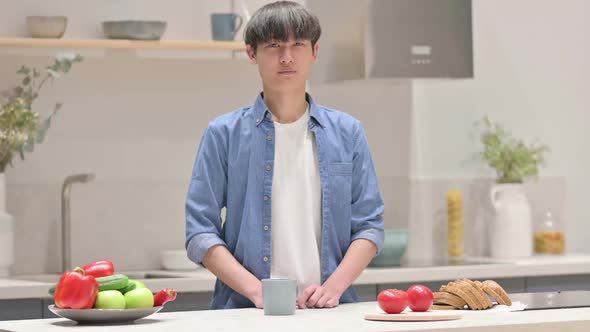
(549, 236)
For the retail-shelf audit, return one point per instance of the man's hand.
(357, 257)
(224, 266)
(316, 296)
(256, 298)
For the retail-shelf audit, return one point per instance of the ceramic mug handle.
(240, 20)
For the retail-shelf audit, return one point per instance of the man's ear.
(251, 54)
(316, 48)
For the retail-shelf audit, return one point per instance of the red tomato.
(420, 298)
(393, 301)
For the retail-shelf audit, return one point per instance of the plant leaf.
(66, 66)
(513, 160)
(30, 145)
(42, 130)
(23, 70)
(56, 109)
(53, 73)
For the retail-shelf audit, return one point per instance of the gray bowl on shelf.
(47, 26)
(135, 30)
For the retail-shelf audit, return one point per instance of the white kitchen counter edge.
(346, 317)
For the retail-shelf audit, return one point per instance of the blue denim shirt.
(231, 171)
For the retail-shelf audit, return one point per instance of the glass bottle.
(549, 236)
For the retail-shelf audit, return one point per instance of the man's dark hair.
(278, 21)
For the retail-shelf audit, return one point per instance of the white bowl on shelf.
(177, 260)
(47, 26)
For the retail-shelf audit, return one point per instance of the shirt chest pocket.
(340, 177)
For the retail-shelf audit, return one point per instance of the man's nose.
(286, 56)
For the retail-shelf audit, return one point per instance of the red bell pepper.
(99, 269)
(164, 296)
(76, 290)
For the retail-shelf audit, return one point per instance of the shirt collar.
(261, 111)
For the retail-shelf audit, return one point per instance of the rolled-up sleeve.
(206, 196)
(367, 204)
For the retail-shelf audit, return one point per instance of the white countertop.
(201, 280)
(344, 318)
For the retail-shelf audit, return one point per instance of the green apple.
(110, 299)
(139, 298)
(138, 284)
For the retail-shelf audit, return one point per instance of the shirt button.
(268, 167)
(266, 227)
(269, 138)
(265, 259)
(266, 198)
(257, 120)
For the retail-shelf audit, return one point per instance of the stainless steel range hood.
(419, 38)
(393, 39)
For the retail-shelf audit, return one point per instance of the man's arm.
(224, 266)
(205, 199)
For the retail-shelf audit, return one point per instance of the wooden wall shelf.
(123, 44)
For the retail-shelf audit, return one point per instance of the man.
(296, 178)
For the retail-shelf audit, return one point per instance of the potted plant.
(20, 129)
(514, 162)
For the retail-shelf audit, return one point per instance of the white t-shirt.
(296, 210)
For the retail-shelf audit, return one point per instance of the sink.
(53, 278)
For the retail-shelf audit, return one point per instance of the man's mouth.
(287, 72)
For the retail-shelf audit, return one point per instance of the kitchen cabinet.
(46, 313)
(511, 285)
(558, 283)
(366, 293)
(516, 285)
(189, 301)
(20, 309)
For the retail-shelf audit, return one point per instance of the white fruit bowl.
(177, 260)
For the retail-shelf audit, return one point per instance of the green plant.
(21, 127)
(513, 160)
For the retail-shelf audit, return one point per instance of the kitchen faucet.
(66, 250)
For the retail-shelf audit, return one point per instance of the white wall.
(531, 74)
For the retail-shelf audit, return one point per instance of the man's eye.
(273, 45)
(299, 43)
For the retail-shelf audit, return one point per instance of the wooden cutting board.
(415, 316)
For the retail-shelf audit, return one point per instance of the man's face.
(284, 65)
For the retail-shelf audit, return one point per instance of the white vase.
(6, 233)
(511, 232)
